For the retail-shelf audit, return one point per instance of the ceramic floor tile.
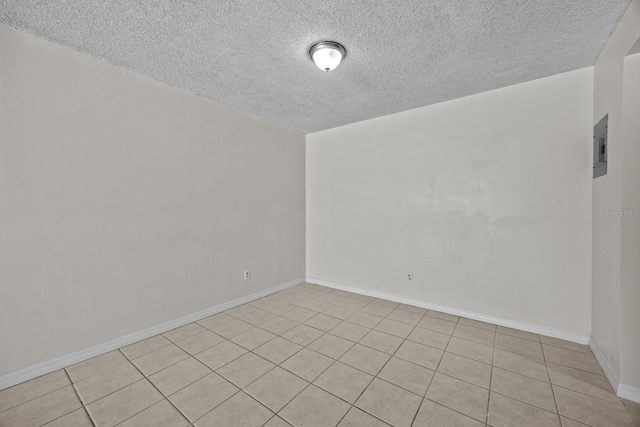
(438, 325)
(399, 343)
(245, 369)
(240, 410)
(519, 345)
(221, 354)
(565, 344)
(568, 422)
(350, 331)
(99, 385)
(393, 327)
(582, 381)
(407, 375)
(432, 414)
(162, 414)
(430, 338)
(470, 333)
(381, 341)
(29, 390)
(258, 317)
(634, 410)
(95, 365)
(276, 388)
(591, 410)
(199, 342)
(377, 309)
(573, 359)
(443, 316)
(344, 381)
(123, 404)
(241, 310)
(358, 418)
(277, 350)
(507, 412)
(77, 418)
(404, 316)
(302, 335)
(460, 396)
(477, 324)
(178, 376)
(232, 328)
(272, 306)
(423, 355)
(323, 322)
(516, 333)
(202, 396)
(465, 369)
(299, 314)
(353, 303)
(331, 345)
(366, 359)
(156, 361)
(525, 389)
(143, 347)
(253, 338)
(184, 332)
(315, 407)
(339, 312)
(365, 319)
(307, 364)
(42, 409)
(534, 368)
(382, 302)
(472, 350)
(277, 422)
(412, 309)
(215, 320)
(390, 403)
(279, 325)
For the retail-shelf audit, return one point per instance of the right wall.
(616, 230)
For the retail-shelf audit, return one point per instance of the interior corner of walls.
(604, 364)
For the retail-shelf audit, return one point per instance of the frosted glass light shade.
(327, 55)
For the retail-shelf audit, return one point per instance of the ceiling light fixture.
(327, 55)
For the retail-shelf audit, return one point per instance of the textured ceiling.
(401, 54)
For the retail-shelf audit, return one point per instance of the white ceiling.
(401, 54)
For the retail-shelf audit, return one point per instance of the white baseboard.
(523, 326)
(622, 390)
(608, 372)
(49, 366)
(629, 393)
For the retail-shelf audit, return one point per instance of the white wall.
(125, 203)
(608, 195)
(486, 199)
(630, 232)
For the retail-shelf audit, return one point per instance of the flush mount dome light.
(327, 55)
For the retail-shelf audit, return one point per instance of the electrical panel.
(600, 147)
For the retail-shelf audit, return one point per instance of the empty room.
(319, 214)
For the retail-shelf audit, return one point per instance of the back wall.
(485, 199)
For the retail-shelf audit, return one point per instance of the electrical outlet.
(410, 277)
(247, 275)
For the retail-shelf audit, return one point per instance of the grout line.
(37, 397)
(493, 358)
(144, 377)
(86, 410)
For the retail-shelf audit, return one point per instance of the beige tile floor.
(314, 356)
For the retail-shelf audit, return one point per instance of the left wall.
(125, 203)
